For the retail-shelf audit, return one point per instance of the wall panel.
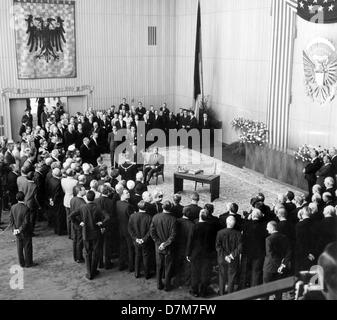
(112, 51)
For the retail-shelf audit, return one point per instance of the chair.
(158, 174)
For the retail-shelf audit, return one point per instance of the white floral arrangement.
(304, 152)
(252, 132)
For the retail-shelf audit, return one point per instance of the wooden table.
(212, 180)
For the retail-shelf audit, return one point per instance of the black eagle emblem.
(46, 37)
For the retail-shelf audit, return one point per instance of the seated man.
(155, 164)
(127, 168)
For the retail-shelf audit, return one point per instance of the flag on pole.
(198, 89)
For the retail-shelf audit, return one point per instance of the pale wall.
(236, 54)
(112, 51)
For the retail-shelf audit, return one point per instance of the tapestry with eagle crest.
(45, 38)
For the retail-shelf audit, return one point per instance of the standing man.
(278, 254)
(163, 233)
(199, 254)
(124, 210)
(20, 223)
(311, 169)
(139, 229)
(75, 204)
(92, 221)
(58, 211)
(229, 248)
(107, 206)
(113, 144)
(68, 185)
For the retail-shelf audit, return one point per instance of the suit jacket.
(324, 172)
(305, 243)
(205, 124)
(20, 219)
(139, 227)
(184, 232)
(90, 215)
(9, 158)
(75, 204)
(163, 230)
(30, 195)
(158, 123)
(326, 233)
(228, 242)
(195, 211)
(334, 165)
(69, 139)
(156, 161)
(87, 154)
(288, 229)
(124, 210)
(107, 206)
(111, 142)
(193, 123)
(12, 185)
(278, 251)
(177, 211)
(254, 239)
(200, 243)
(119, 126)
(22, 184)
(311, 169)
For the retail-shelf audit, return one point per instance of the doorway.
(71, 105)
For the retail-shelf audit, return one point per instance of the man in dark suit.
(140, 110)
(305, 253)
(107, 206)
(194, 207)
(311, 169)
(199, 249)
(193, 122)
(20, 223)
(325, 171)
(120, 124)
(184, 230)
(278, 254)
(326, 230)
(9, 157)
(56, 203)
(95, 147)
(157, 121)
(229, 248)
(177, 209)
(163, 233)
(75, 204)
(126, 254)
(92, 221)
(233, 211)
(12, 186)
(333, 154)
(70, 137)
(86, 152)
(113, 144)
(139, 229)
(205, 122)
(288, 229)
(253, 250)
(124, 105)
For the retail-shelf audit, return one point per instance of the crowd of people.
(57, 173)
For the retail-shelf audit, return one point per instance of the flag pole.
(201, 63)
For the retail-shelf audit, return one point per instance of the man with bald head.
(229, 248)
(278, 254)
